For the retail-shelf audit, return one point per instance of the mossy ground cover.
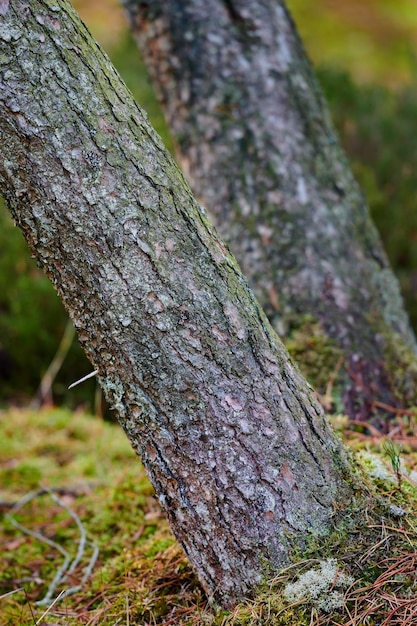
(89, 466)
(89, 474)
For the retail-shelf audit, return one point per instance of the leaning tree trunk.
(235, 445)
(256, 143)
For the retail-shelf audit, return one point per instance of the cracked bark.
(238, 450)
(257, 146)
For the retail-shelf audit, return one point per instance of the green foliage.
(32, 320)
(373, 39)
(393, 451)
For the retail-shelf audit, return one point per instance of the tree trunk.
(257, 145)
(235, 444)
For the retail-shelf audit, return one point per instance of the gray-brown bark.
(256, 143)
(236, 447)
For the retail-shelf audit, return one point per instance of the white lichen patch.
(413, 476)
(323, 587)
(375, 467)
(397, 511)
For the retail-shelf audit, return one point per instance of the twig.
(373, 548)
(376, 403)
(81, 380)
(332, 379)
(50, 607)
(398, 530)
(75, 491)
(326, 400)
(393, 409)
(32, 533)
(44, 390)
(68, 566)
(10, 593)
(374, 431)
(80, 553)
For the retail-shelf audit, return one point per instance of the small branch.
(69, 564)
(327, 400)
(81, 380)
(393, 409)
(49, 607)
(10, 593)
(44, 390)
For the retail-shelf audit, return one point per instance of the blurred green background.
(365, 53)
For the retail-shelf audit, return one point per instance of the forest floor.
(83, 540)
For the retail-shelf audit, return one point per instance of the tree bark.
(256, 143)
(235, 444)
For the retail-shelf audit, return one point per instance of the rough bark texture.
(256, 143)
(236, 447)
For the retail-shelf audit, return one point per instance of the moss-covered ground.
(84, 478)
(89, 466)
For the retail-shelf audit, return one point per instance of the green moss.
(103, 483)
(158, 546)
(316, 354)
(59, 446)
(402, 365)
(357, 546)
(142, 572)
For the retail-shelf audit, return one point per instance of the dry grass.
(386, 594)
